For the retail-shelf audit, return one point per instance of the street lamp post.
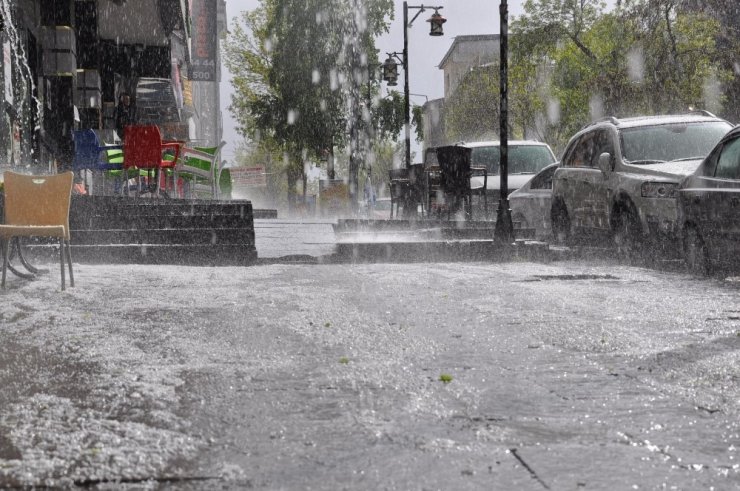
(390, 67)
(504, 231)
(435, 21)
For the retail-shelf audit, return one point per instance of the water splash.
(596, 107)
(553, 110)
(20, 71)
(636, 64)
(712, 92)
(353, 78)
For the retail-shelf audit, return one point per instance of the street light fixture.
(390, 70)
(435, 22)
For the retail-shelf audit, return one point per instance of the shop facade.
(64, 64)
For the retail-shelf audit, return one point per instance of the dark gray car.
(709, 207)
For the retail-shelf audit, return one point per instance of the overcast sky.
(425, 52)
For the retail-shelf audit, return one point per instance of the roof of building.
(464, 39)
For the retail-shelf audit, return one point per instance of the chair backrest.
(142, 147)
(38, 200)
(87, 150)
(114, 156)
(201, 163)
(454, 163)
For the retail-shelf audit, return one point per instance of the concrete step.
(194, 236)
(176, 254)
(117, 229)
(148, 222)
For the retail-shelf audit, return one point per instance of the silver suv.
(618, 177)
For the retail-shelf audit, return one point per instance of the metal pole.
(406, 108)
(504, 231)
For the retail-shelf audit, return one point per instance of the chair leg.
(30, 268)
(61, 259)
(6, 254)
(69, 263)
(470, 206)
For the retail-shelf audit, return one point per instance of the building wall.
(40, 98)
(464, 54)
(467, 52)
(434, 129)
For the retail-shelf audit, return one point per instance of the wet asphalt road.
(569, 375)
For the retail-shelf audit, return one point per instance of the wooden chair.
(37, 206)
(143, 149)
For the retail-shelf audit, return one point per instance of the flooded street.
(425, 376)
(497, 263)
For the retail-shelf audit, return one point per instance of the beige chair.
(37, 206)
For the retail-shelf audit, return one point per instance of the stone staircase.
(127, 230)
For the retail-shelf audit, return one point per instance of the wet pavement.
(294, 238)
(568, 375)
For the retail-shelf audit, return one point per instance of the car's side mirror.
(605, 162)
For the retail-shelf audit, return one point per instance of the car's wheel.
(560, 223)
(627, 234)
(695, 252)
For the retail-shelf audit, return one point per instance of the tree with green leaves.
(299, 68)
(473, 109)
(727, 12)
(572, 62)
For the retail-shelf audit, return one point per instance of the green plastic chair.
(200, 166)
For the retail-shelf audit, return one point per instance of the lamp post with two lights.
(390, 66)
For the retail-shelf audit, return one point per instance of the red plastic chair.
(143, 150)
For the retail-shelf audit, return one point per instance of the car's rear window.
(523, 159)
(671, 141)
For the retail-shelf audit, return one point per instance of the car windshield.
(523, 159)
(663, 143)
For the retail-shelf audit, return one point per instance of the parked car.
(709, 209)
(530, 204)
(618, 178)
(525, 159)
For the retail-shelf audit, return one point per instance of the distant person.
(125, 114)
(369, 192)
